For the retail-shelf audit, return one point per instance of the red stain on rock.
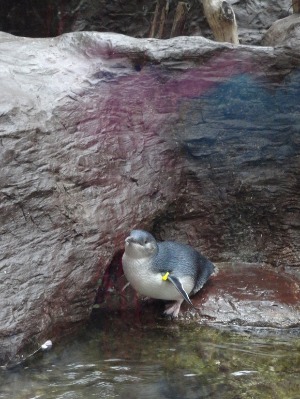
(250, 294)
(255, 282)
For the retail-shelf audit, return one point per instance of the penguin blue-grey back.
(164, 270)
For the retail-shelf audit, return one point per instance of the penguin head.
(140, 244)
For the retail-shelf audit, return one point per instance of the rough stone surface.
(54, 17)
(101, 133)
(81, 164)
(261, 298)
(254, 17)
(284, 32)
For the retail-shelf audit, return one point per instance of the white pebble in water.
(47, 345)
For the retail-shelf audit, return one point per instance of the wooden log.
(179, 19)
(296, 6)
(221, 19)
(158, 22)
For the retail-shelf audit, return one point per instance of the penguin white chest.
(149, 283)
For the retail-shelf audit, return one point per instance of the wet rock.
(250, 295)
(284, 32)
(101, 133)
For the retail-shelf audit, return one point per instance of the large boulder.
(284, 32)
(82, 162)
(101, 133)
(254, 17)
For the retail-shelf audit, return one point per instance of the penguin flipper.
(177, 284)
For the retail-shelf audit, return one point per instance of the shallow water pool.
(117, 356)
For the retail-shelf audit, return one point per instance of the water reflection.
(121, 358)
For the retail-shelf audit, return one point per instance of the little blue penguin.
(164, 270)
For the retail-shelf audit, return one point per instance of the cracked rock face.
(81, 163)
(101, 133)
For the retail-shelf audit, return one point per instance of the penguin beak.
(128, 240)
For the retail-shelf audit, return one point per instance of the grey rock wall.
(81, 164)
(133, 18)
(101, 133)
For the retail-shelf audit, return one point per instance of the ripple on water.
(162, 360)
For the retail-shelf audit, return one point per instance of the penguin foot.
(174, 309)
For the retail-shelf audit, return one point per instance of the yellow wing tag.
(165, 276)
